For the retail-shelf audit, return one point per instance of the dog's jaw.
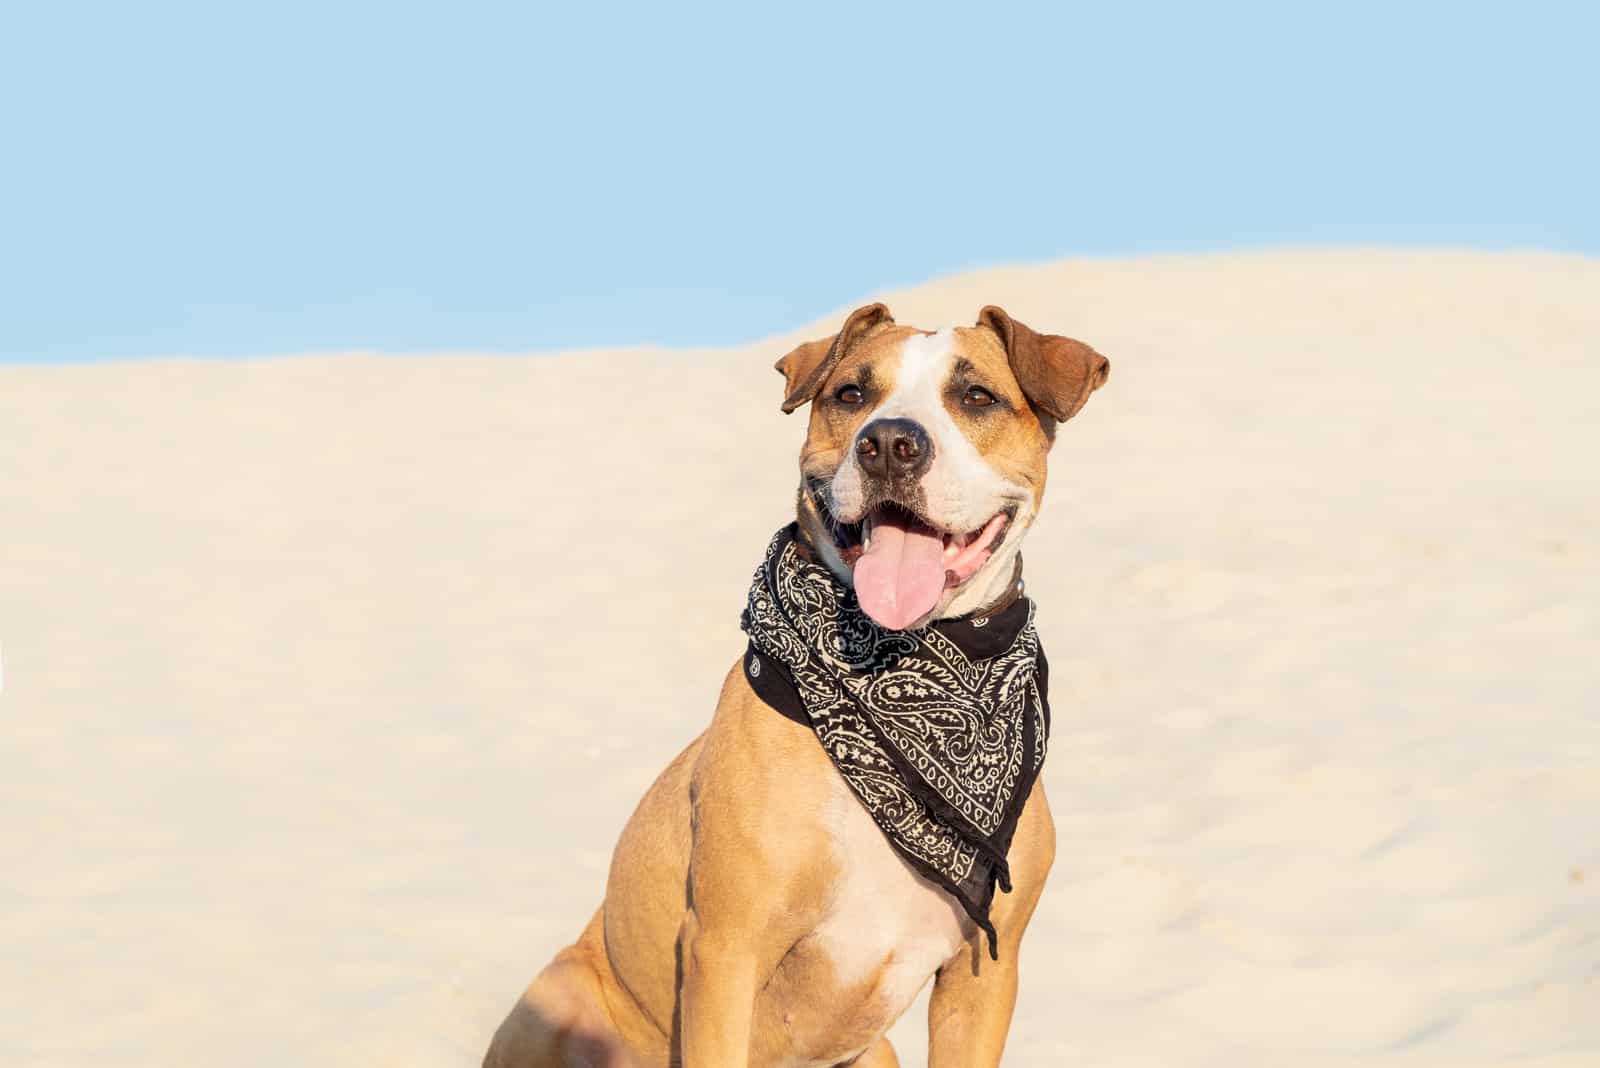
(989, 584)
(815, 531)
(992, 581)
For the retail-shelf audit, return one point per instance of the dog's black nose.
(897, 448)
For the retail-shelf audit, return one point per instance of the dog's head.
(924, 463)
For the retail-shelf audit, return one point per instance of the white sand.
(316, 731)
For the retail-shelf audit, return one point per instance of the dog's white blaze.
(883, 914)
(960, 488)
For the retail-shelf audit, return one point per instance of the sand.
(316, 732)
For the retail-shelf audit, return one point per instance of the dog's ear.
(1057, 373)
(807, 367)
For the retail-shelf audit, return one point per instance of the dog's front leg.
(973, 995)
(970, 1011)
(753, 884)
(717, 995)
(759, 873)
(738, 927)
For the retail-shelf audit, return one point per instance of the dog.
(755, 913)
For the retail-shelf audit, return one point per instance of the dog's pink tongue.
(900, 576)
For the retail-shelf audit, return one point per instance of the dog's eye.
(848, 395)
(977, 397)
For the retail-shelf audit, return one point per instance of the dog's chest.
(887, 929)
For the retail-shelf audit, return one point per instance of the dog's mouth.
(902, 563)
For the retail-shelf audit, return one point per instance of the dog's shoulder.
(756, 790)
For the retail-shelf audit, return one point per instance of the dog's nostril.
(893, 448)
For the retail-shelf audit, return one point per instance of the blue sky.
(208, 179)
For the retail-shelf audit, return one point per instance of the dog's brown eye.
(848, 395)
(977, 397)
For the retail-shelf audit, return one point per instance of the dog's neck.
(987, 597)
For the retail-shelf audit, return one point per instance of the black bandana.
(939, 732)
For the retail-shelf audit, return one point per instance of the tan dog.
(755, 915)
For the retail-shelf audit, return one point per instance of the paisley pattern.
(941, 747)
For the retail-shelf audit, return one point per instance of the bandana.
(939, 732)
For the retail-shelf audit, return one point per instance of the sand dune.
(314, 738)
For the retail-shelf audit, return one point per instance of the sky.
(243, 179)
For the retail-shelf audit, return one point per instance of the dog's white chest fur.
(887, 929)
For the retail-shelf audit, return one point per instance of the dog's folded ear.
(1057, 373)
(806, 368)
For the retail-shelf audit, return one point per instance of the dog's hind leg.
(560, 1022)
